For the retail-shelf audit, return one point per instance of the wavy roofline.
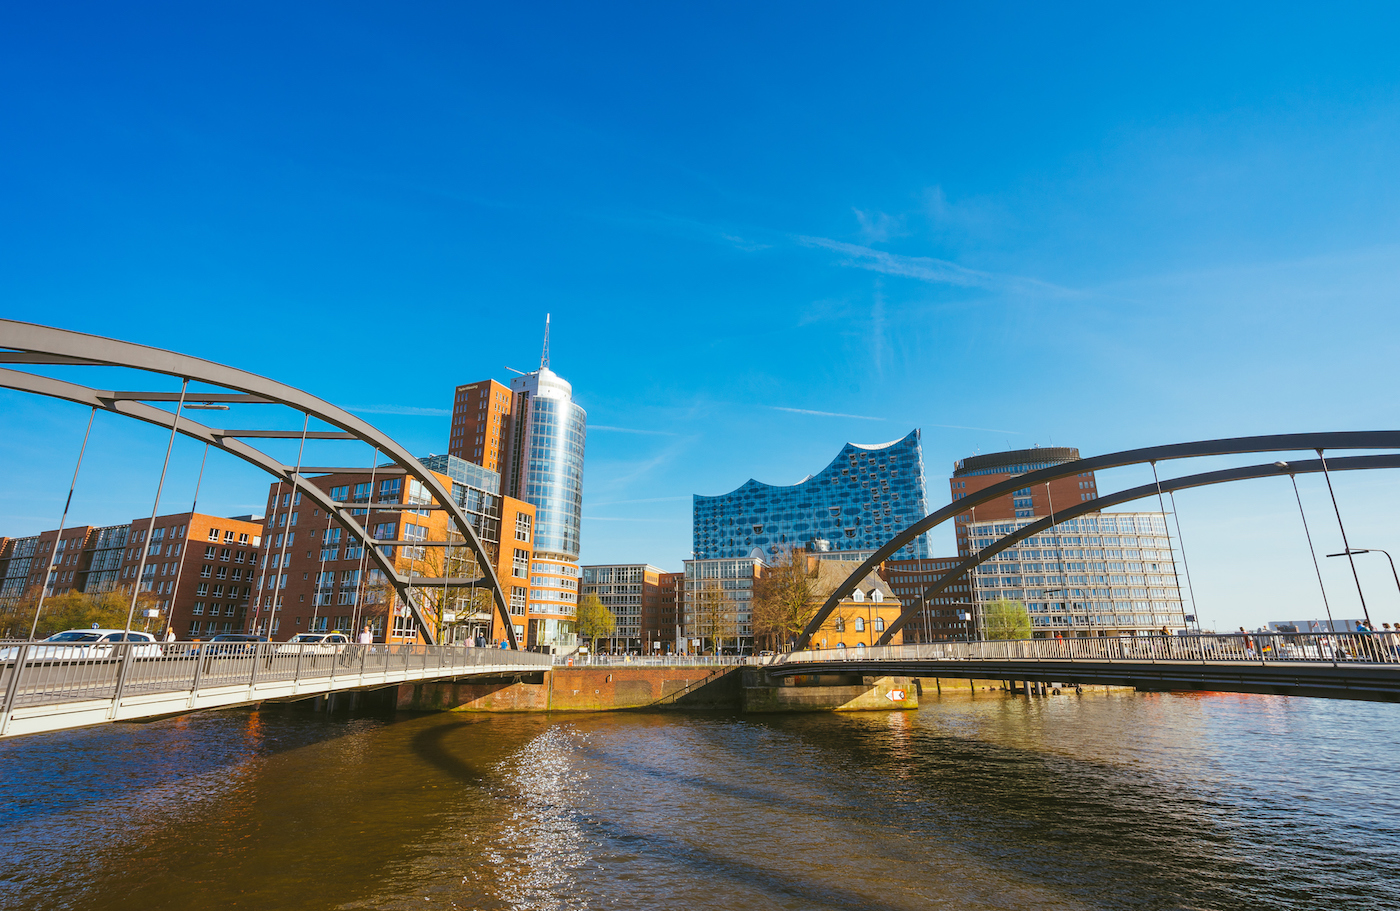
(866, 447)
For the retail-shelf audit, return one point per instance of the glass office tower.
(858, 502)
(545, 459)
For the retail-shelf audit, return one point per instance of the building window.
(520, 564)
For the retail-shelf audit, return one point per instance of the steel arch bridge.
(1288, 442)
(44, 346)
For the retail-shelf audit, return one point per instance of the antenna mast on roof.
(544, 357)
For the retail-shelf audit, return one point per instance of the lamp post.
(1064, 605)
(1352, 551)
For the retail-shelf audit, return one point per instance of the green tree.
(73, 610)
(594, 618)
(1007, 620)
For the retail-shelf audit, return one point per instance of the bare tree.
(711, 613)
(785, 598)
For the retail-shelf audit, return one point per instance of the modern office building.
(715, 603)
(945, 617)
(630, 591)
(534, 435)
(1103, 574)
(977, 472)
(858, 502)
(505, 526)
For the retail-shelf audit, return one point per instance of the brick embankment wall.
(583, 689)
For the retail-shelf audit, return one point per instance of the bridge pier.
(827, 693)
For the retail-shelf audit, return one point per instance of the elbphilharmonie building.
(857, 503)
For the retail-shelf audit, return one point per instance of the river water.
(1131, 801)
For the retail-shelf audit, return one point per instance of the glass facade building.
(545, 459)
(1104, 574)
(858, 502)
(477, 490)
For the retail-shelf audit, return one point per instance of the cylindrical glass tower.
(546, 459)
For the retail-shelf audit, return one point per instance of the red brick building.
(977, 472)
(327, 581)
(669, 587)
(481, 422)
(945, 617)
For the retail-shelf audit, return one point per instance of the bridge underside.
(1342, 681)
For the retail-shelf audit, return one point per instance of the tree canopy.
(1007, 620)
(71, 610)
(594, 618)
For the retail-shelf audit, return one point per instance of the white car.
(85, 643)
(314, 643)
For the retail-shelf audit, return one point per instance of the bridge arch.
(33, 344)
(1285, 442)
(1204, 479)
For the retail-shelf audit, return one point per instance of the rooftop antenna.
(544, 357)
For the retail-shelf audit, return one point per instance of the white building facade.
(1104, 574)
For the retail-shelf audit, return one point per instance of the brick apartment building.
(198, 572)
(661, 626)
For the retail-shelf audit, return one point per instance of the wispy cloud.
(650, 433)
(877, 227)
(409, 410)
(825, 414)
(928, 269)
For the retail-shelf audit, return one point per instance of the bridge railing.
(42, 673)
(1332, 648)
(653, 660)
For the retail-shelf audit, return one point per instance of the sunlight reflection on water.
(1129, 801)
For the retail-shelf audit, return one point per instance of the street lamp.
(1345, 544)
(1366, 550)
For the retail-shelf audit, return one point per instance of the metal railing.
(655, 660)
(45, 673)
(1266, 648)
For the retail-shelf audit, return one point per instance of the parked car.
(314, 643)
(72, 644)
(232, 644)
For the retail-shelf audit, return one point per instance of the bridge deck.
(1339, 666)
(48, 688)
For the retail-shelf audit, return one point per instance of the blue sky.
(760, 232)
